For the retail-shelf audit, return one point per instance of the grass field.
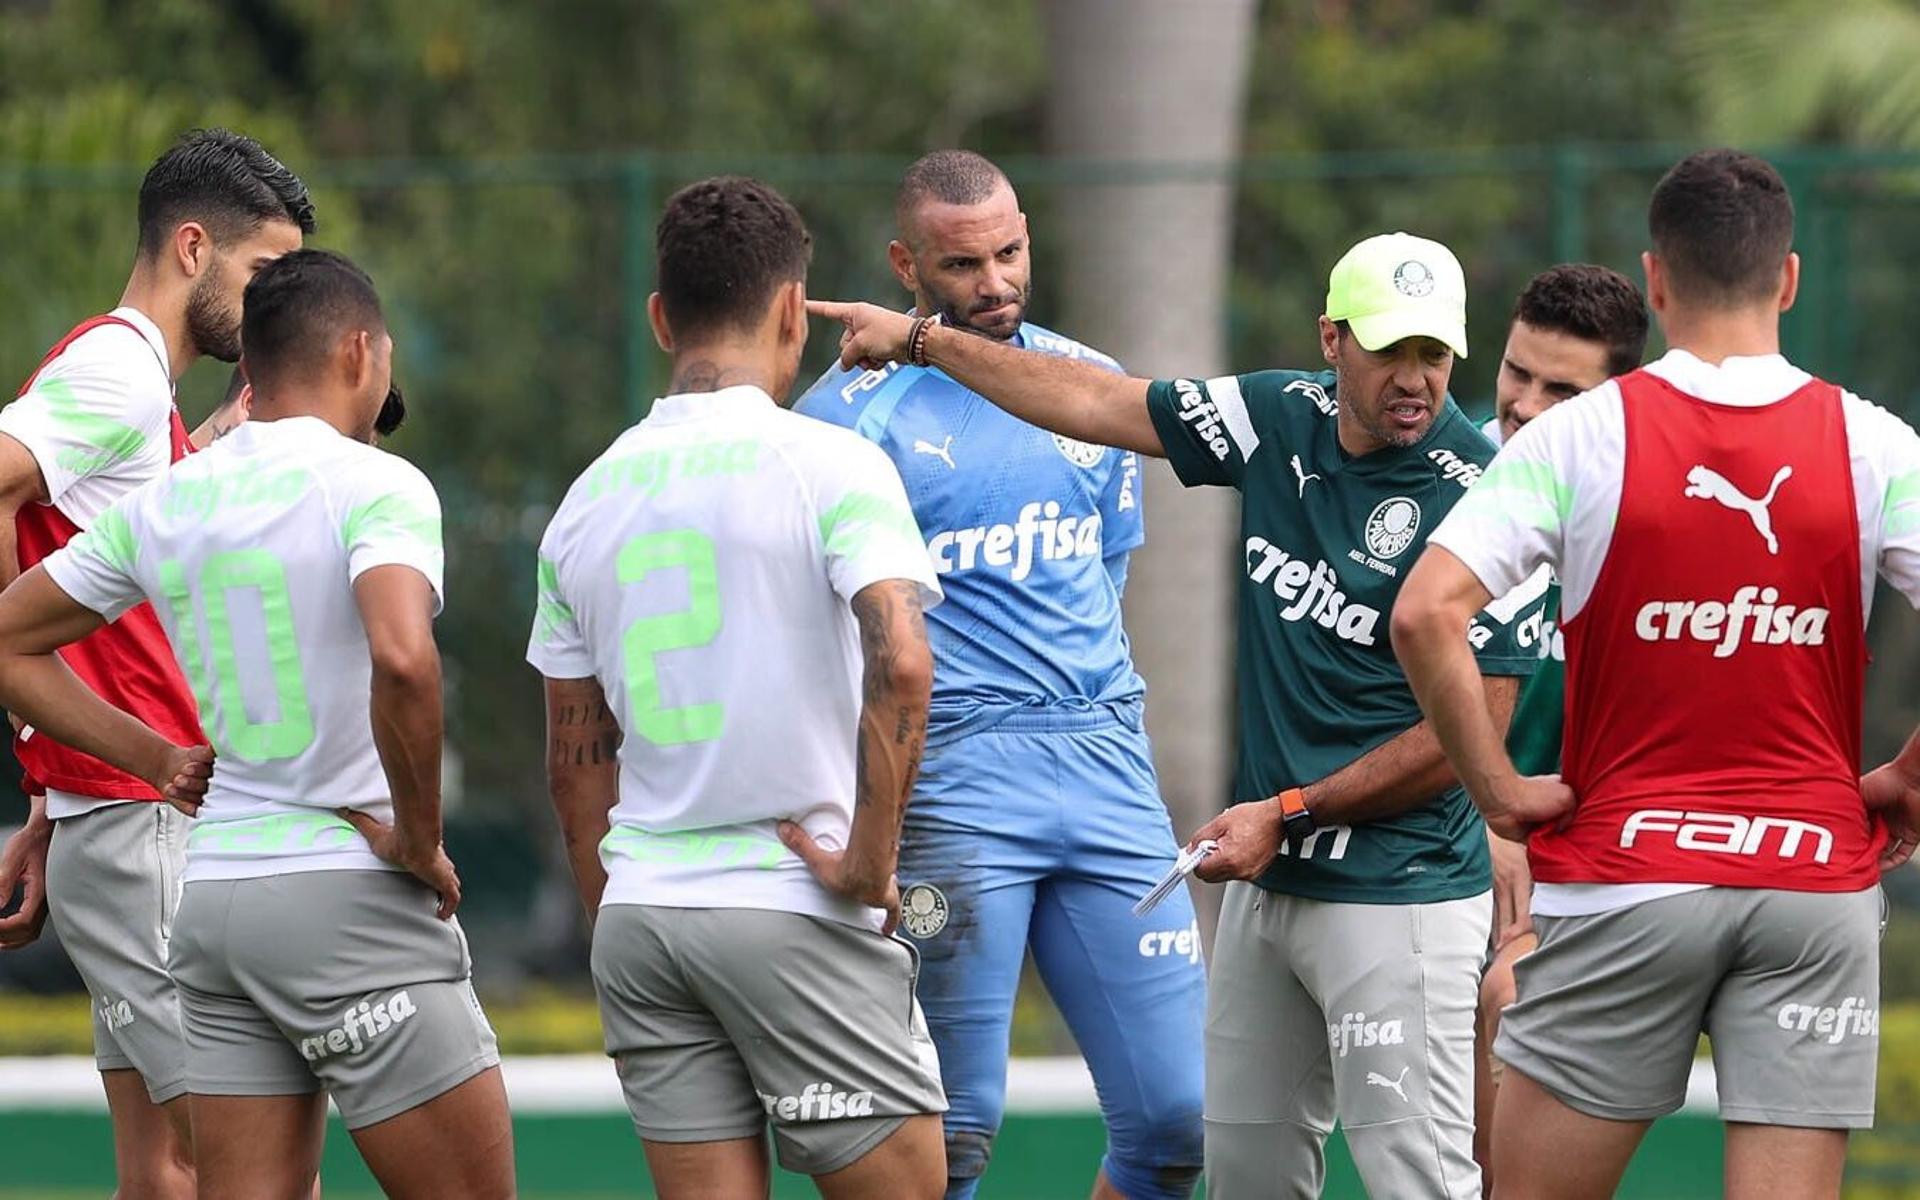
(57, 1156)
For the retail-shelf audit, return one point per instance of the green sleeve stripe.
(391, 513)
(111, 540)
(551, 612)
(1900, 508)
(111, 441)
(1531, 492)
(849, 525)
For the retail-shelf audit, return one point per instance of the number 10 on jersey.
(291, 733)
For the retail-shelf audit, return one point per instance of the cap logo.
(1412, 278)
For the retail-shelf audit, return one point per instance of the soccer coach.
(1348, 955)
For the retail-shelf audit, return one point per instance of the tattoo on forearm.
(892, 728)
(585, 735)
(880, 610)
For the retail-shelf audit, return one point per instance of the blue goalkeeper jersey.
(1029, 532)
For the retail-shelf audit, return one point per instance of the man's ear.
(900, 258)
(192, 248)
(793, 313)
(1656, 273)
(1329, 341)
(1789, 281)
(657, 317)
(357, 360)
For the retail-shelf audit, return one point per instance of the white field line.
(585, 1083)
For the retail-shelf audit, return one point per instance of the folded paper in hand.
(1183, 865)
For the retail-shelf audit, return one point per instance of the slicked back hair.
(1722, 225)
(724, 246)
(225, 181)
(1591, 302)
(947, 177)
(298, 307)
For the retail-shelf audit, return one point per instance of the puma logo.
(1301, 473)
(943, 452)
(1705, 483)
(1376, 1079)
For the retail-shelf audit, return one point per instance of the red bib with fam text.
(1714, 677)
(129, 663)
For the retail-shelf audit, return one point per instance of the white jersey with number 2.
(701, 570)
(249, 551)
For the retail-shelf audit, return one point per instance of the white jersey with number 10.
(701, 569)
(249, 551)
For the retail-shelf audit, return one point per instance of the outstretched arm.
(1077, 399)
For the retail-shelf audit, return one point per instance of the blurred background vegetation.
(498, 165)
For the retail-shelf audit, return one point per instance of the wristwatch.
(1296, 823)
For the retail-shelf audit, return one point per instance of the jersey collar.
(1738, 382)
(694, 406)
(144, 326)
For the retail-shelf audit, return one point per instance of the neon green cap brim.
(1381, 330)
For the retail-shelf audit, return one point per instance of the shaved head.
(958, 177)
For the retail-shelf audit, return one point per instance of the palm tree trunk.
(1144, 85)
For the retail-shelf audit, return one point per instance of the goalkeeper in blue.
(1037, 821)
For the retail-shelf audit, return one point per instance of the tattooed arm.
(892, 733)
(583, 777)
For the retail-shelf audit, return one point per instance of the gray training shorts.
(343, 980)
(113, 884)
(1785, 984)
(722, 1021)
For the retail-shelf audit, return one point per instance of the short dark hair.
(1722, 225)
(298, 305)
(224, 180)
(1597, 304)
(948, 176)
(725, 245)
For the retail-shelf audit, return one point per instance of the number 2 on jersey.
(256, 741)
(695, 625)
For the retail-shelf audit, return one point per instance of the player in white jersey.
(95, 421)
(297, 570)
(737, 675)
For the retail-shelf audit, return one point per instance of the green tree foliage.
(1851, 76)
(468, 153)
(1403, 97)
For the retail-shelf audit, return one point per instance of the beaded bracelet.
(917, 339)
